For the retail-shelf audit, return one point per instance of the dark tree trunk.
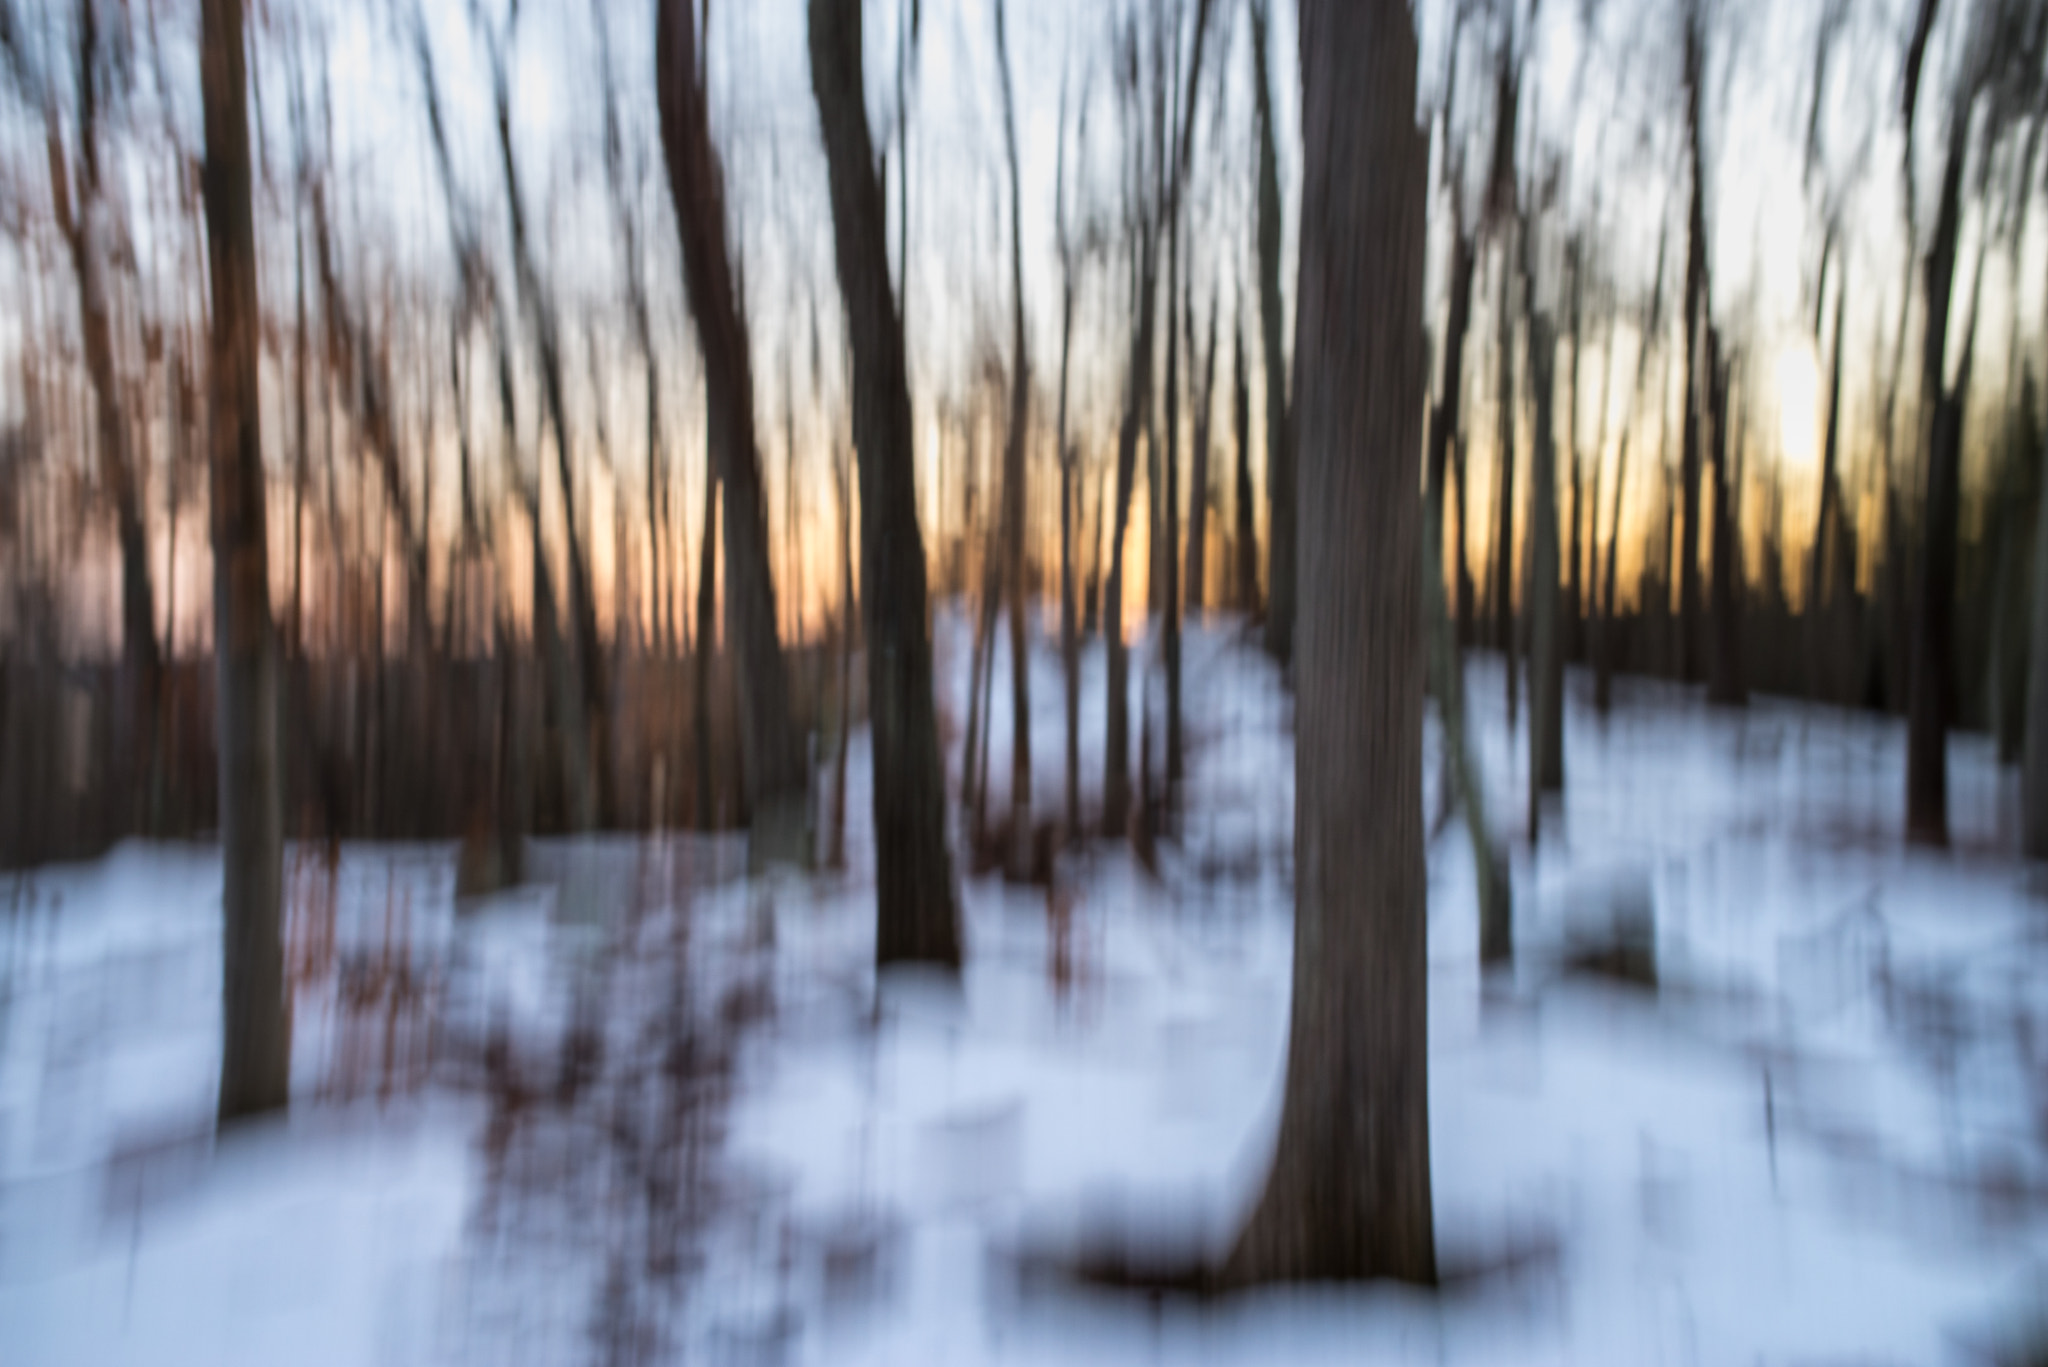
(835, 845)
(2034, 758)
(918, 919)
(1821, 586)
(1116, 780)
(1697, 377)
(1349, 1192)
(1169, 539)
(1546, 659)
(1194, 594)
(1725, 683)
(707, 640)
(1281, 569)
(1247, 542)
(1941, 437)
(1503, 588)
(772, 751)
(1574, 589)
(256, 1054)
(1444, 416)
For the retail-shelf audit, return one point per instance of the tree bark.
(773, 754)
(918, 919)
(1349, 1192)
(256, 1054)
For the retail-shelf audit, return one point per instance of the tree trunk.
(1724, 684)
(918, 919)
(772, 751)
(2034, 763)
(141, 661)
(256, 1054)
(835, 845)
(1070, 646)
(1015, 498)
(1349, 1192)
(590, 746)
(707, 640)
(1281, 569)
(1941, 438)
(1504, 489)
(1195, 595)
(1546, 658)
(1116, 780)
(1821, 563)
(1697, 308)
(1169, 540)
(1247, 539)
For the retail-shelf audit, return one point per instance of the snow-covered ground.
(644, 1110)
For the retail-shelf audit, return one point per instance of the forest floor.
(644, 1109)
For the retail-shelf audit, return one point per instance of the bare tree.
(1245, 576)
(1070, 649)
(773, 752)
(1349, 1192)
(2001, 69)
(917, 917)
(1281, 573)
(85, 223)
(256, 1055)
(1014, 493)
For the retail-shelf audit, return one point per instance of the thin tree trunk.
(835, 848)
(1349, 1191)
(1195, 596)
(1281, 567)
(707, 639)
(1070, 648)
(1247, 541)
(1725, 684)
(1116, 781)
(256, 1054)
(1698, 306)
(1504, 489)
(1546, 657)
(1168, 557)
(1014, 498)
(593, 744)
(918, 919)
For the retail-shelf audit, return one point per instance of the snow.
(643, 1109)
